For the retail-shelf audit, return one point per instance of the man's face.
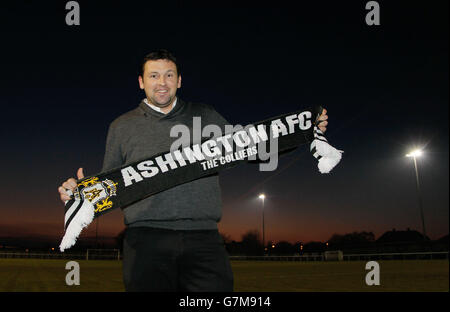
(160, 82)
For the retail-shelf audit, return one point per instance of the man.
(171, 241)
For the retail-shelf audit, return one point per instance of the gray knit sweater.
(144, 132)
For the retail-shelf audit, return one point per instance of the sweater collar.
(148, 111)
(156, 108)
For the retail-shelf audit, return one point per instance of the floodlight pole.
(262, 196)
(419, 196)
(264, 240)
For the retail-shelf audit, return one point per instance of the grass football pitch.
(29, 275)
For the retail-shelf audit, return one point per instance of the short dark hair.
(161, 54)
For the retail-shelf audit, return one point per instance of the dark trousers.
(168, 260)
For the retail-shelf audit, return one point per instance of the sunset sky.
(385, 88)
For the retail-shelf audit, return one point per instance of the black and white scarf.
(121, 187)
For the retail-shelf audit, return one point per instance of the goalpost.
(103, 254)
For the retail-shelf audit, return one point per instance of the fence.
(279, 258)
(90, 254)
(37, 255)
(352, 257)
(398, 256)
(314, 257)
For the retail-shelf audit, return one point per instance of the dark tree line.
(359, 242)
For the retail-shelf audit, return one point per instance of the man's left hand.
(323, 121)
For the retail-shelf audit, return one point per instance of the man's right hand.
(70, 184)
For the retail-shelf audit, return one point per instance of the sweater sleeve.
(113, 154)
